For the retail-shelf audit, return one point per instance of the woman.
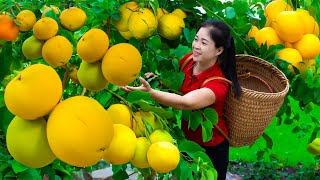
(213, 54)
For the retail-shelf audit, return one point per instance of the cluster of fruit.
(141, 23)
(297, 30)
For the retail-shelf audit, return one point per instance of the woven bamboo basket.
(264, 88)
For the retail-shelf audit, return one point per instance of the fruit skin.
(308, 46)
(121, 64)
(120, 114)
(163, 157)
(143, 117)
(290, 55)
(90, 76)
(125, 12)
(93, 45)
(139, 159)
(273, 9)
(34, 92)
(180, 13)
(142, 23)
(308, 21)
(170, 26)
(57, 51)
(161, 12)
(126, 34)
(79, 131)
(122, 146)
(27, 142)
(26, 19)
(252, 32)
(46, 9)
(45, 28)
(267, 35)
(73, 18)
(160, 135)
(9, 30)
(32, 48)
(314, 147)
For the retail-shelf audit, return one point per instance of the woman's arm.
(196, 99)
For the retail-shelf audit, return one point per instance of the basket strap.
(186, 62)
(246, 75)
(216, 78)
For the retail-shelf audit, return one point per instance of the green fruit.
(32, 48)
(160, 135)
(90, 76)
(27, 142)
(314, 147)
(142, 118)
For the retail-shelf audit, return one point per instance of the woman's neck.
(199, 67)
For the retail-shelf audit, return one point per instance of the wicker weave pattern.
(248, 116)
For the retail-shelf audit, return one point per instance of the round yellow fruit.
(170, 26)
(93, 45)
(45, 28)
(267, 35)
(290, 55)
(180, 13)
(125, 12)
(142, 23)
(308, 46)
(142, 118)
(120, 114)
(163, 157)
(305, 65)
(252, 32)
(160, 135)
(79, 131)
(139, 159)
(273, 9)
(32, 48)
(27, 142)
(46, 9)
(57, 51)
(122, 64)
(289, 26)
(73, 18)
(90, 76)
(288, 45)
(161, 12)
(126, 34)
(122, 147)
(316, 29)
(308, 21)
(26, 19)
(34, 92)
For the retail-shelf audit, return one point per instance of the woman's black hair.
(220, 34)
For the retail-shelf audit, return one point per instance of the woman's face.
(203, 47)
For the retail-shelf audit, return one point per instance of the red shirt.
(218, 87)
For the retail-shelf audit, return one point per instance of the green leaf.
(69, 36)
(181, 51)
(116, 168)
(154, 43)
(158, 110)
(204, 157)
(185, 171)
(171, 79)
(135, 96)
(120, 175)
(206, 131)
(59, 167)
(18, 167)
(288, 121)
(187, 35)
(103, 97)
(260, 154)
(230, 12)
(6, 116)
(190, 147)
(296, 129)
(33, 174)
(211, 115)
(2, 103)
(195, 120)
(268, 140)
(308, 108)
(5, 59)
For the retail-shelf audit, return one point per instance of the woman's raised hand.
(145, 86)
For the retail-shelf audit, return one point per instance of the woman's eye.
(204, 43)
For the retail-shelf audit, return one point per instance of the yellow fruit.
(290, 55)
(73, 18)
(316, 29)
(289, 26)
(160, 135)
(9, 30)
(170, 26)
(120, 114)
(125, 12)
(180, 13)
(142, 118)
(93, 45)
(139, 159)
(45, 28)
(57, 51)
(142, 23)
(34, 92)
(308, 46)
(122, 146)
(252, 32)
(314, 147)
(161, 12)
(46, 9)
(308, 21)
(126, 34)
(90, 76)
(79, 131)
(267, 35)
(26, 19)
(121, 64)
(163, 157)
(288, 45)
(305, 64)
(32, 48)
(27, 142)
(274, 8)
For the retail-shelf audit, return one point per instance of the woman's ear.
(220, 50)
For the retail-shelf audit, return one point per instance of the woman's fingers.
(126, 89)
(149, 75)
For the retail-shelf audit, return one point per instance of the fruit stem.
(65, 78)
(119, 97)
(16, 5)
(84, 90)
(109, 27)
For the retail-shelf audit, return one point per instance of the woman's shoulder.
(184, 58)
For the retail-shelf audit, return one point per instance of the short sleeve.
(184, 58)
(219, 88)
